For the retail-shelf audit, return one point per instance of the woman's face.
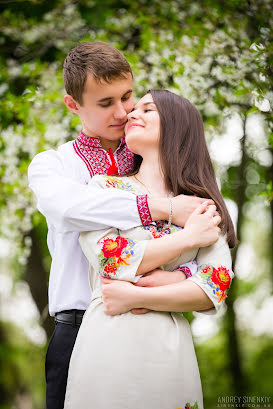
(143, 127)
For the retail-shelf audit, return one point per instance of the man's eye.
(125, 98)
(106, 105)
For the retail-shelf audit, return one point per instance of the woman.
(121, 360)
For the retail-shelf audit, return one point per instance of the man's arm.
(72, 206)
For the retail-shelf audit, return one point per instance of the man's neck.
(106, 144)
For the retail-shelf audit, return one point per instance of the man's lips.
(119, 125)
(132, 125)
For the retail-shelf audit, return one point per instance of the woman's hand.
(118, 296)
(159, 277)
(202, 226)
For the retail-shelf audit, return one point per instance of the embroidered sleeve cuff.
(215, 281)
(119, 257)
(189, 269)
(143, 209)
(185, 270)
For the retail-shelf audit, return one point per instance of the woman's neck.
(151, 176)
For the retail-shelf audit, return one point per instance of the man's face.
(105, 107)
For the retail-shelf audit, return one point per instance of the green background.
(216, 53)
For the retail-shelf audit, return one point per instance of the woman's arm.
(206, 289)
(200, 230)
(124, 258)
(120, 297)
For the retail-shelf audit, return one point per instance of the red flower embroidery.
(112, 247)
(110, 183)
(111, 268)
(221, 277)
(206, 270)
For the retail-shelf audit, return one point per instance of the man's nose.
(120, 111)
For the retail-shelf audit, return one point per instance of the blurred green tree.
(216, 53)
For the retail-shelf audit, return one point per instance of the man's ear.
(71, 104)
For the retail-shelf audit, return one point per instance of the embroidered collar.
(101, 162)
(94, 142)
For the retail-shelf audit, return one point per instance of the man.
(99, 86)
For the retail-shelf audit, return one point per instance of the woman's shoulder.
(114, 182)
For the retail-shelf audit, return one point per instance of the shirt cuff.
(185, 270)
(143, 210)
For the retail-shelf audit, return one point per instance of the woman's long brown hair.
(184, 155)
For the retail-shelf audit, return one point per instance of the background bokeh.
(218, 54)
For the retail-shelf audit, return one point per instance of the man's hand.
(202, 226)
(184, 206)
(158, 277)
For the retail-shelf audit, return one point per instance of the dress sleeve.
(114, 256)
(72, 206)
(214, 274)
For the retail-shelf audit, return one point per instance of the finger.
(137, 311)
(200, 209)
(211, 210)
(217, 220)
(203, 199)
(142, 282)
(105, 280)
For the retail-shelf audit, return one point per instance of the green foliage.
(219, 54)
(21, 362)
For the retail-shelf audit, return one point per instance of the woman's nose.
(132, 115)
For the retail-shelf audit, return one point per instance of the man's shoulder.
(66, 149)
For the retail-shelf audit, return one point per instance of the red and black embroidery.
(101, 162)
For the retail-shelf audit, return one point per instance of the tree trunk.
(36, 277)
(234, 356)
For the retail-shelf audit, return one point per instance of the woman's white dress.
(145, 361)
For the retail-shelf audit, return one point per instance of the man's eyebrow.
(110, 98)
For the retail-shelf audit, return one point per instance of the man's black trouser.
(58, 356)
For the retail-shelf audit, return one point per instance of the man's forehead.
(102, 89)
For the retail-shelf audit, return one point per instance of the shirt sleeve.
(214, 274)
(114, 256)
(72, 206)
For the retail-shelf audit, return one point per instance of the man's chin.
(117, 134)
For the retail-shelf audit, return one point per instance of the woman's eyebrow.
(148, 103)
(144, 104)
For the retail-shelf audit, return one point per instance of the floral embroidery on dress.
(160, 228)
(112, 182)
(218, 279)
(114, 253)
